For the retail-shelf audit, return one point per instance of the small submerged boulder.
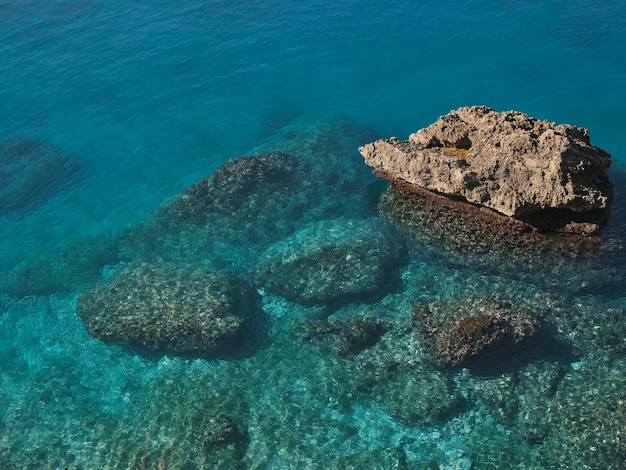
(31, 172)
(186, 311)
(333, 261)
(544, 174)
(469, 332)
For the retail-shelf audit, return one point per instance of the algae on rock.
(168, 309)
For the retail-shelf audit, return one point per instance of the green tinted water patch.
(179, 419)
(58, 376)
(59, 268)
(569, 417)
(187, 418)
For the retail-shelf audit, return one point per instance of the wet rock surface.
(544, 174)
(166, 309)
(31, 172)
(333, 261)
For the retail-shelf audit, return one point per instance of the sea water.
(152, 96)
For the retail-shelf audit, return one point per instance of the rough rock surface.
(482, 330)
(239, 185)
(533, 170)
(332, 261)
(166, 309)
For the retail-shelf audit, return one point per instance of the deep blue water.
(152, 96)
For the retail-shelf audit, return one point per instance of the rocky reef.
(333, 261)
(31, 172)
(168, 309)
(308, 171)
(241, 185)
(548, 176)
(474, 342)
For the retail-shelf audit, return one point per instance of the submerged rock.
(240, 185)
(333, 261)
(375, 356)
(348, 337)
(31, 172)
(471, 331)
(194, 417)
(458, 235)
(546, 175)
(166, 309)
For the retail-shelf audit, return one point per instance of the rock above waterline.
(179, 310)
(545, 174)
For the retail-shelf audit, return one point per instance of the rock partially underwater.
(458, 235)
(332, 262)
(439, 173)
(308, 171)
(31, 172)
(167, 309)
(548, 176)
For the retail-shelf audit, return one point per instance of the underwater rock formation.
(31, 172)
(482, 330)
(308, 171)
(349, 337)
(376, 357)
(193, 418)
(459, 235)
(240, 185)
(546, 175)
(166, 309)
(332, 262)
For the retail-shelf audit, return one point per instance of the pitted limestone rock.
(509, 162)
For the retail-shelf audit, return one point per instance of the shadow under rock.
(461, 235)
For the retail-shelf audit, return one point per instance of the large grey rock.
(517, 165)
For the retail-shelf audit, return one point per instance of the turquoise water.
(148, 98)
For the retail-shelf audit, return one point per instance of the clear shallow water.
(153, 97)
